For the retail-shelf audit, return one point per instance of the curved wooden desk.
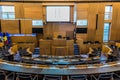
(59, 70)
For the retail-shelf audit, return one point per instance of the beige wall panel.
(33, 11)
(23, 39)
(44, 13)
(71, 13)
(11, 26)
(114, 23)
(82, 14)
(56, 28)
(19, 13)
(100, 25)
(117, 26)
(83, 6)
(26, 26)
(93, 10)
(82, 11)
(81, 36)
(118, 21)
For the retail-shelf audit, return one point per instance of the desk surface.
(59, 69)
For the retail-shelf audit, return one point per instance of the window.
(82, 22)
(58, 13)
(7, 12)
(37, 22)
(106, 34)
(108, 13)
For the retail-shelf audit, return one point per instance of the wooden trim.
(60, 1)
(58, 4)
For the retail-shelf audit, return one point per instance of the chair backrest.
(78, 77)
(52, 77)
(105, 76)
(22, 76)
(2, 75)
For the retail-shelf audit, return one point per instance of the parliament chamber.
(59, 40)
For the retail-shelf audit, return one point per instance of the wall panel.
(10, 26)
(33, 11)
(53, 29)
(92, 12)
(26, 26)
(19, 13)
(115, 22)
(82, 11)
(100, 24)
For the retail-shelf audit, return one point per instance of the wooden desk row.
(84, 48)
(25, 41)
(58, 69)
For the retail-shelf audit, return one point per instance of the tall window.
(108, 13)
(106, 34)
(7, 12)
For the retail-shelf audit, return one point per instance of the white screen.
(58, 13)
(37, 22)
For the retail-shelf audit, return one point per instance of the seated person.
(14, 55)
(107, 55)
(17, 57)
(27, 52)
(11, 53)
(21, 51)
(90, 52)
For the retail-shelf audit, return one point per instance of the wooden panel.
(71, 13)
(70, 46)
(81, 36)
(10, 26)
(118, 23)
(59, 42)
(57, 4)
(57, 28)
(59, 51)
(45, 47)
(44, 13)
(115, 22)
(82, 14)
(26, 26)
(93, 10)
(33, 11)
(23, 39)
(82, 11)
(100, 25)
(19, 13)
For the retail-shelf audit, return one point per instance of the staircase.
(76, 49)
(36, 52)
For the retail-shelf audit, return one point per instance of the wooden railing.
(60, 0)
